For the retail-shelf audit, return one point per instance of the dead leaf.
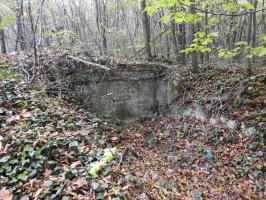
(25, 197)
(80, 182)
(13, 118)
(75, 164)
(36, 195)
(48, 173)
(5, 194)
(4, 150)
(26, 114)
(114, 139)
(6, 104)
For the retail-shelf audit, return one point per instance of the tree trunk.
(146, 29)
(249, 40)
(264, 26)
(35, 50)
(249, 30)
(2, 39)
(127, 26)
(192, 34)
(20, 35)
(231, 27)
(161, 36)
(241, 23)
(182, 30)
(254, 32)
(207, 56)
(104, 26)
(173, 35)
(101, 22)
(263, 18)
(164, 38)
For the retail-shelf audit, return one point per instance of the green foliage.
(249, 6)
(245, 4)
(42, 138)
(63, 38)
(224, 53)
(7, 20)
(155, 5)
(201, 43)
(231, 6)
(6, 17)
(107, 157)
(241, 43)
(243, 48)
(10, 19)
(2, 26)
(259, 51)
(212, 21)
(234, 6)
(129, 1)
(244, 164)
(264, 38)
(178, 15)
(23, 164)
(30, 162)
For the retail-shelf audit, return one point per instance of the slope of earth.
(213, 149)
(51, 149)
(176, 161)
(221, 90)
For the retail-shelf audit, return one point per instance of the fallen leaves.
(184, 157)
(5, 194)
(80, 182)
(26, 114)
(187, 166)
(46, 148)
(75, 164)
(48, 173)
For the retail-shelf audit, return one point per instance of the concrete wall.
(126, 92)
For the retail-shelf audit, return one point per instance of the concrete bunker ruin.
(128, 91)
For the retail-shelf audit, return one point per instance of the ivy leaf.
(99, 196)
(95, 186)
(28, 148)
(4, 159)
(23, 176)
(48, 183)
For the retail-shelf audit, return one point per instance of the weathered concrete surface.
(127, 91)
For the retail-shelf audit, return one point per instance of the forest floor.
(213, 149)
